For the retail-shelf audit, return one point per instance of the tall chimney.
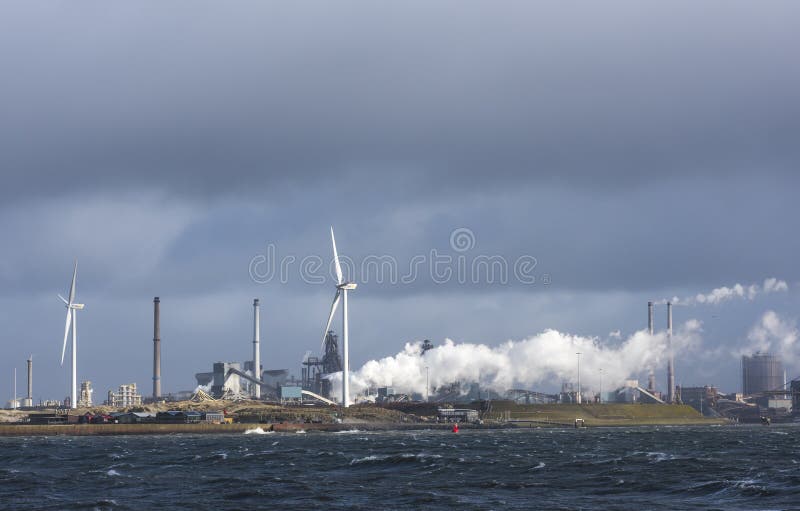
(651, 385)
(156, 348)
(671, 364)
(256, 349)
(30, 381)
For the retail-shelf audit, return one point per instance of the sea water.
(726, 468)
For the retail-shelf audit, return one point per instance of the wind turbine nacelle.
(77, 306)
(349, 286)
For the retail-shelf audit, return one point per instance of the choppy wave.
(394, 458)
(628, 469)
(257, 431)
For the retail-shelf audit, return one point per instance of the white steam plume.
(773, 334)
(737, 291)
(546, 358)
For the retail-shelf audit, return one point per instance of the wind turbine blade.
(66, 334)
(330, 317)
(72, 286)
(63, 300)
(336, 259)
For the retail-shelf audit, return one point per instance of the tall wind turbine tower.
(72, 319)
(342, 288)
(256, 348)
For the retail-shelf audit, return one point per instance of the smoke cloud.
(737, 291)
(773, 334)
(543, 360)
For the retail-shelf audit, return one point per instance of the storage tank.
(761, 372)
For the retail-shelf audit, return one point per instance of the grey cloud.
(252, 97)
(636, 151)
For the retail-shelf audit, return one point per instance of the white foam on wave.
(113, 473)
(257, 431)
(300, 431)
(394, 457)
(347, 432)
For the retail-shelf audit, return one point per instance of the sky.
(593, 156)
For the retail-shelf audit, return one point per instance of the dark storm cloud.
(211, 99)
(637, 151)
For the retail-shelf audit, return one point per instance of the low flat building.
(213, 417)
(178, 417)
(136, 418)
(458, 415)
(291, 393)
(41, 418)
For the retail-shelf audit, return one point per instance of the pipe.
(256, 348)
(156, 348)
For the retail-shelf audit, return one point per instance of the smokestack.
(256, 349)
(30, 381)
(651, 382)
(671, 364)
(156, 348)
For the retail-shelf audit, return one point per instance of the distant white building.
(125, 397)
(85, 398)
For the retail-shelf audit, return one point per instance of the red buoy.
(455, 428)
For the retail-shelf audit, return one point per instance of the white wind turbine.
(72, 310)
(342, 288)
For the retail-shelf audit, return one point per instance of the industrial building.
(85, 397)
(703, 399)
(795, 389)
(274, 378)
(225, 380)
(762, 372)
(178, 417)
(457, 415)
(291, 394)
(126, 396)
(315, 369)
(135, 418)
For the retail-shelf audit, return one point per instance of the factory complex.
(767, 394)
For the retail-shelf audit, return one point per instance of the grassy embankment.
(410, 415)
(600, 414)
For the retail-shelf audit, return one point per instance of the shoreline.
(16, 430)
